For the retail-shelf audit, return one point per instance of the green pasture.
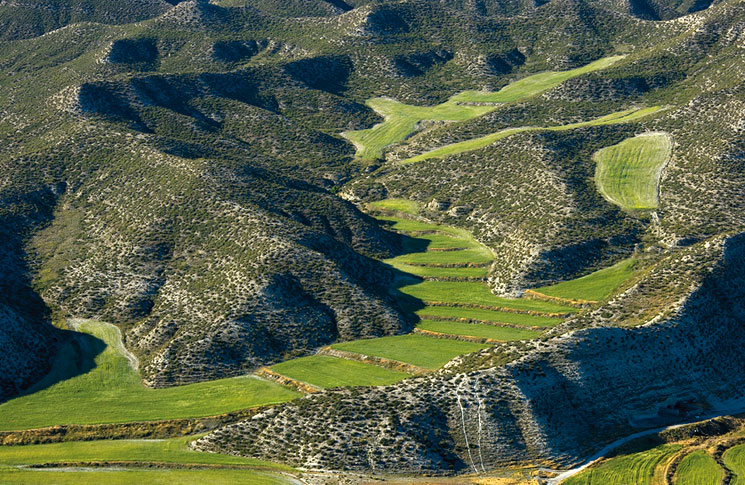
(477, 255)
(397, 205)
(111, 391)
(325, 371)
(631, 469)
(698, 468)
(478, 330)
(734, 460)
(488, 316)
(628, 174)
(595, 286)
(175, 450)
(418, 350)
(476, 293)
(435, 272)
(411, 226)
(152, 476)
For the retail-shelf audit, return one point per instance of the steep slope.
(25, 19)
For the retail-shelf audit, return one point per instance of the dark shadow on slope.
(76, 356)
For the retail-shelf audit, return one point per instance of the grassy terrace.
(401, 119)
(418, 350)
(435, 272)
(635, 468)
(111, 391)
(626, 116)
(595, 286)
(173, 452)
(628, 174)
(698, 468)
(474, 293)
(434, 312)
(734, 459)
(464, 256)
(478, 330)
(148, 475)
(325, 371)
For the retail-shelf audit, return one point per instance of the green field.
(628, 174)
(478, 294)
(418, 350)
(478, 330)
(595, 286)
(698, 468)
(434, 272)
(488, 316)
(411, 226)
(632, 469)
(112, 392)
(438, 241)
(734, 459)
(397, 205)
(174, 450)
(401, 119)
(325, 371)
(149, 476)
(472, 255)
(626, 116)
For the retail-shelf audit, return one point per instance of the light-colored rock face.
(563, 399)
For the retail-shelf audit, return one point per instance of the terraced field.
(119, 476)
(628, 174)
(444, 273)
(325, 371)
(111, 390)
(493, 332)
(625, 116)
(734, 460)
(699, 453)
(698, 468)
(171, 451)
(635, 468)
(402, 119)
(133, 461)
(445, 276)
(593, 287)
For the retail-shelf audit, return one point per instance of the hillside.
(474, 234)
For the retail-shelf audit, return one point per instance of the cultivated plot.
(628, 174)
(637, 468)
(418, 350)
(734, 460)
(325, 371)
(478, 330)
(699, 468)
(593, 287)
(474, 293)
